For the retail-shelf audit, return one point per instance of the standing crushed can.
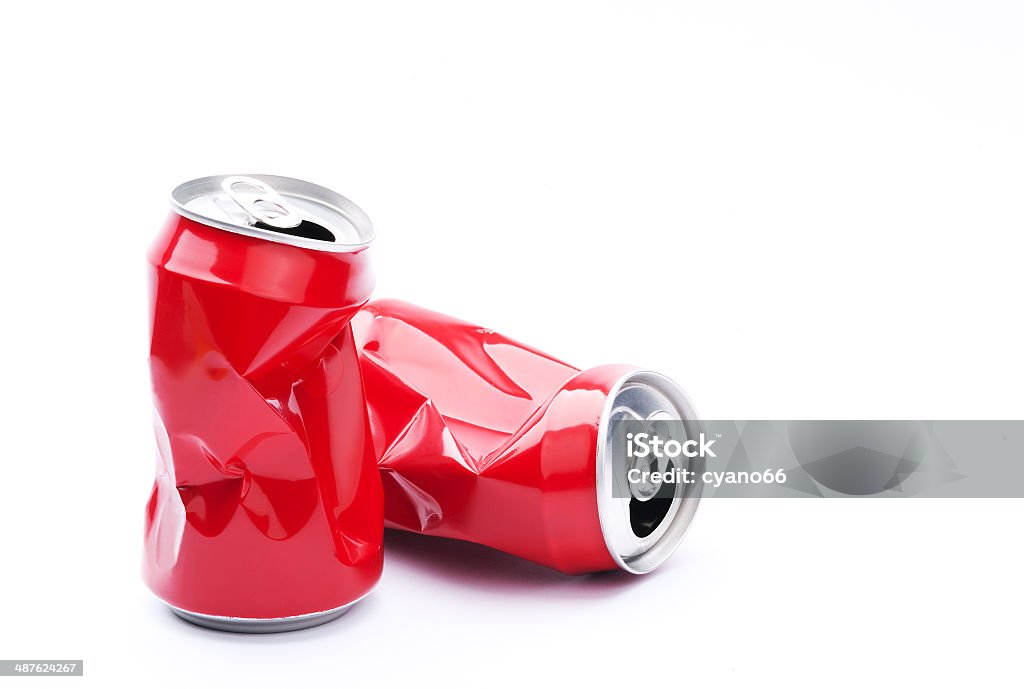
(483, 439)
(266, 513)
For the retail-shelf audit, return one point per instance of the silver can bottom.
(261, 625)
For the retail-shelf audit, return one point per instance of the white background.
(796, 209)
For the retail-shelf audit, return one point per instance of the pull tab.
(261, 202)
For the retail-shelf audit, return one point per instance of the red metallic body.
(267, 501)
(484, 439)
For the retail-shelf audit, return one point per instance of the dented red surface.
(267, 501)
(484, 439)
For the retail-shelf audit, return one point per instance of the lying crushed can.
(266, 513)
(483, 439)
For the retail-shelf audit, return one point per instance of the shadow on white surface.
(468, 565)
(415, 563)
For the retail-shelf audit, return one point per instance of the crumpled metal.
(267, 502)
(482, 438)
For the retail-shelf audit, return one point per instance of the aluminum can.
(484, 439)
(266, 513)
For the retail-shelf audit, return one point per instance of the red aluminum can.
(484, 439)
(266, 513)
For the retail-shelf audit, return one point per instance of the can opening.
(645, 516)
(642, 523)
(307, 229)
(276, 209)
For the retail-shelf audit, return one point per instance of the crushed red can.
(266, 513)
(484, 439)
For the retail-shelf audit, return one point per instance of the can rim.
(259, 625)
(610, 514)
(193, 189)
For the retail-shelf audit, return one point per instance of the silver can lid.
(640, 540)
(276, 209)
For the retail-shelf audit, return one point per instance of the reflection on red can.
(266, 512)
(483, 439)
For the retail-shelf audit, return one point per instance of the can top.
(642, 527)
(276, 209)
